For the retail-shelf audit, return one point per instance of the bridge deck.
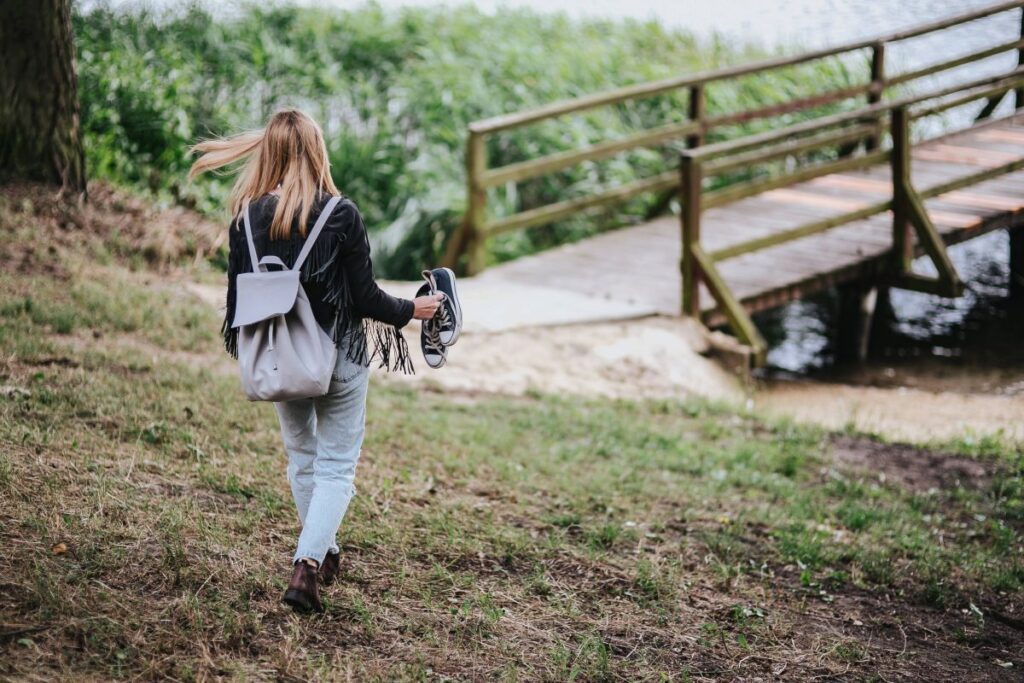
(640, 265)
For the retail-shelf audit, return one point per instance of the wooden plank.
(858, 185)
(786, 215)
(801, 259)
(962, 154)
(976, 142)
(554, 162)
(951, 219)
(955, 62)
(803, 197)
(734, 192)
(552, 212)
(804, 282)
(1008, 185)
(759, 156)
(802, 231)
(930, 239)
(1013, 137)
(769, 223)
(775, 221)
(982, 200)
(738, 318)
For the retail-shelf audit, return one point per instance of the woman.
(286, 181)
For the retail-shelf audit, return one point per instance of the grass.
(147, 525)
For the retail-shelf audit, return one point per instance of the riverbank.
(898, 414)
(663, 358)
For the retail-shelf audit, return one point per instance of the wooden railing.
(910, 217)
(469, 243)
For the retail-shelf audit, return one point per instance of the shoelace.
(433, 341)
(442, 317)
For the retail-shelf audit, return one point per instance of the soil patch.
(912, 468)
(900, 641)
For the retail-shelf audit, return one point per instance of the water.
(968, 344)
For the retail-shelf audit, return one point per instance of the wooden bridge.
(846, 197)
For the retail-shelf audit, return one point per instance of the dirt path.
(632, 359)
(658, 357)
(654, 358)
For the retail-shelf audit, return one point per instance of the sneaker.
(434, 352)
(450, 313)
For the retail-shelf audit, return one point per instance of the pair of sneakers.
(441, 331)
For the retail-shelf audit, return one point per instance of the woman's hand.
(426, 306)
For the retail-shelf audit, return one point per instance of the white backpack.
(283, 353)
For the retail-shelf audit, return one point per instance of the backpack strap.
(321, 221)
(248, 236)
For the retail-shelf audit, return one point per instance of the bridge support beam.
(1017, 265)
(857, 304)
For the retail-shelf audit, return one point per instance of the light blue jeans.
(322, 437)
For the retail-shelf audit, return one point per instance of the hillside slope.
(146, 524)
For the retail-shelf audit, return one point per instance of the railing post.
(476, 204)
(877, 88)
(1017, 267)
(902, 244)
(1019, 92)
(691, 177)
(696, 113)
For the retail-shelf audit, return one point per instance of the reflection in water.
(971, 344)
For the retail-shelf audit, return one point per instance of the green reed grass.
(395, 91)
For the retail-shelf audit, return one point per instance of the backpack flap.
(263, 295)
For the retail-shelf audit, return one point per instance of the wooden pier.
(640, 264)
(879, 198)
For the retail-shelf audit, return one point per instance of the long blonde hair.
(289, 152)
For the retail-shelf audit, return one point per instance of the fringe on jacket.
(368, 340)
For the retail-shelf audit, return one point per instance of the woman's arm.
(369, 299)
(238, 258)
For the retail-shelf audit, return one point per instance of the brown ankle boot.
(303, 592)
(330, 568)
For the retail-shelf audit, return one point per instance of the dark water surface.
(974, 343)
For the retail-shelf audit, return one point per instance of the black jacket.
(338, 279)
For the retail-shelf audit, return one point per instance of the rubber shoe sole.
(445, 282)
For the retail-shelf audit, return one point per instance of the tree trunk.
(40, 133)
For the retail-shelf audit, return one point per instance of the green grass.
(537, 538)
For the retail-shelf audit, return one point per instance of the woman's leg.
(298, 430)
(340, 420)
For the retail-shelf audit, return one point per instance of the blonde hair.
(289, 152)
